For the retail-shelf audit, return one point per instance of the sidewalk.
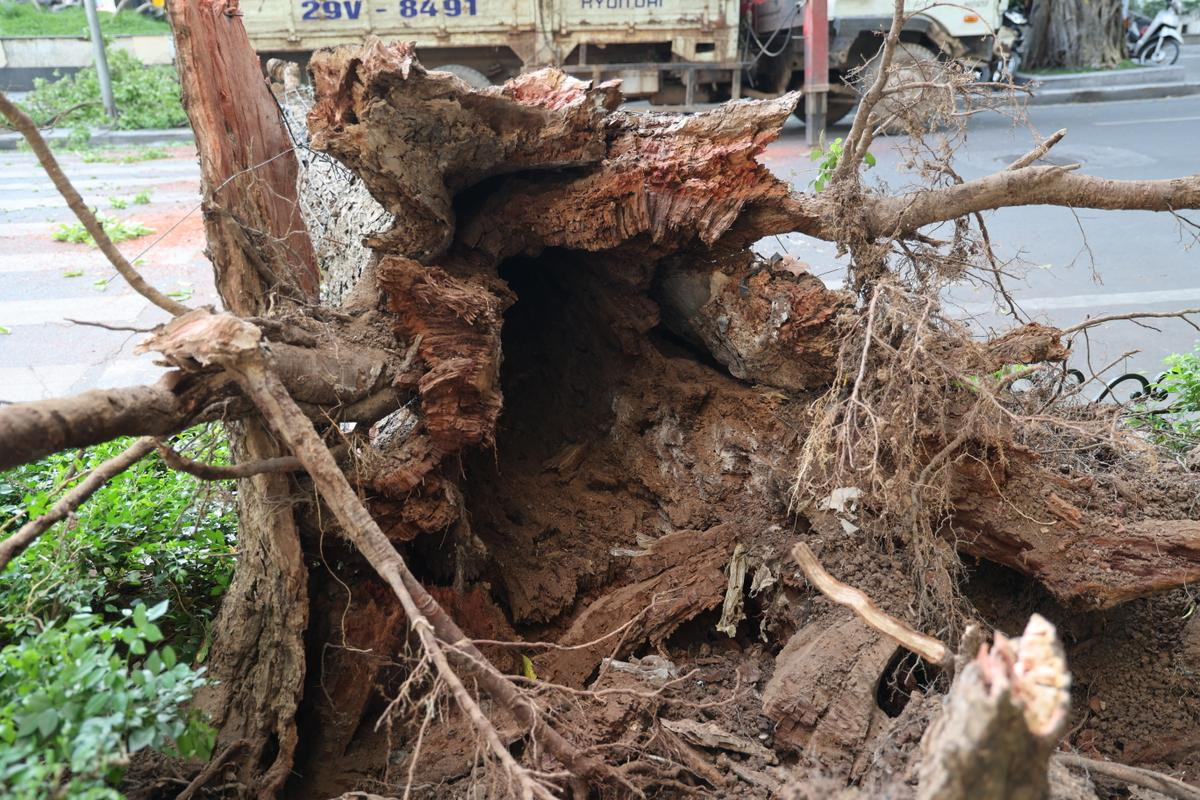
(102, 138)
(1136, 83)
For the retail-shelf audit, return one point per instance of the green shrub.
(26, 19)
(150, 534)
(1175, 425)
(118, 230)
(78, 698)
(146, 97)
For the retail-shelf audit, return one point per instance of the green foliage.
(829, 159)
(150, 534)
(146, 97)
(142, 198)
(1177, 424)
(117, 230)
(80, 696)
(101, 619)
(26, 19)
(91, 156)
(118, 203)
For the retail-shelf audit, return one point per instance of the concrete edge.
(143, 138)
(1114, 94)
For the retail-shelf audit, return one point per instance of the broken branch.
(857, 601)
(1039, 151)
(216, 472)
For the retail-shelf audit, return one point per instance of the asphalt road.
(1076, 264)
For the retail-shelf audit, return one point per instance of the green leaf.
(156, 611)
(75, 273)
(527, 667)
(47, 721)
(140, 738)
(869, 159)
(5, 331)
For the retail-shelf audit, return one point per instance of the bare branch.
(855, 147)
(14, 545)
(1038, 185)
(926, 647)
(1133, 315)
(215, 472)
(1039, 151)
(27, 128)
(1135, 776)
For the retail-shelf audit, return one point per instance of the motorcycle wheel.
(1168, 53)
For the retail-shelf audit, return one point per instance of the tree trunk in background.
(1084, 34)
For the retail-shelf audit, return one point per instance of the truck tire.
(836, 108)
(470, 76)
(913, 108)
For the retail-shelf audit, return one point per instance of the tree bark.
(263, 261)
(1079, 34)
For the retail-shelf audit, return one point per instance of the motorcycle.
(1010, 46)
(1155, 41)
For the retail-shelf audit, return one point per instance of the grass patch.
(91, 156)
(29, 19)
(118, 230)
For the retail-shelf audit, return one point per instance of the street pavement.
(44, 354)
(1074, 265)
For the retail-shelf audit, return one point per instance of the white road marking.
(1145, 120)
(46, 260)
(1175, 296)
(122, 308)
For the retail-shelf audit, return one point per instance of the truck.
(679, 54)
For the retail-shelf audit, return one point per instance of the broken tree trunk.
(1000, 721)
(595, 397)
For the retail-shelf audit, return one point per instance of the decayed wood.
(234, 344)
(1036, 520)
(1000, 721)
(256, 235)
(822, 694)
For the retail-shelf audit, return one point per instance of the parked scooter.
(1155, 41)
(1010, 46)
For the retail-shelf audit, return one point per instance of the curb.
(9, 141)
(1151, 91)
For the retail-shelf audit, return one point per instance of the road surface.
(1077, 265)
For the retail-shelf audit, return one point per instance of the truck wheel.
(470, 76)
(836, 108)
(918, 108)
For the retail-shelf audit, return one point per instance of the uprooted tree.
(566, 417)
